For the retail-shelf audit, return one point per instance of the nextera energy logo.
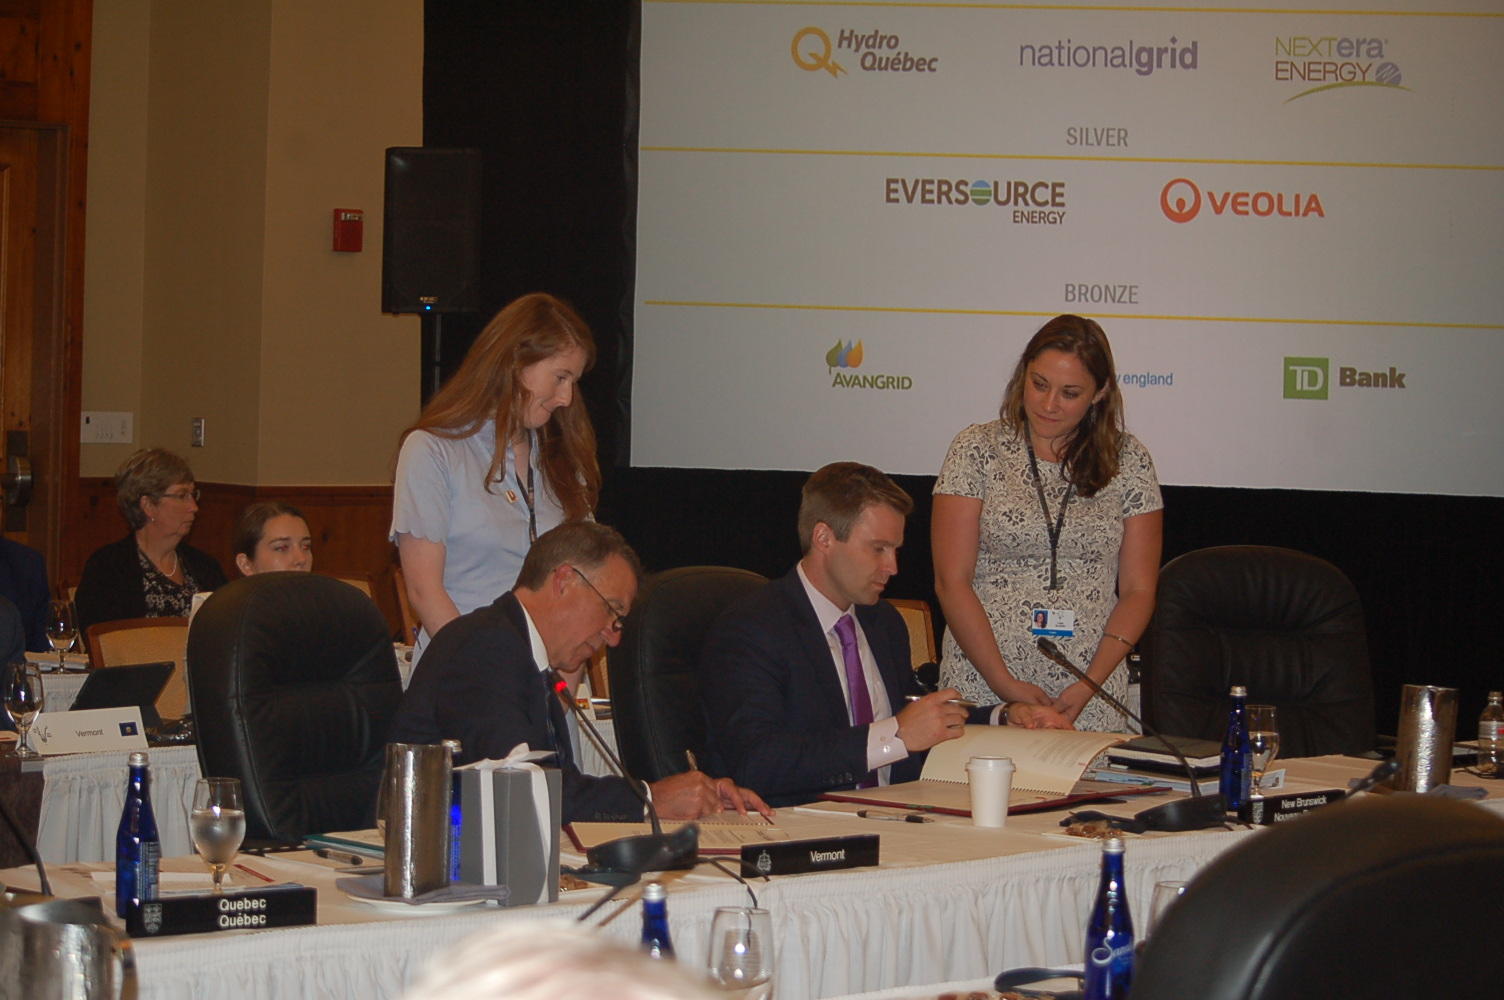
(1310, 378)
(849, 355)
(1328, 62)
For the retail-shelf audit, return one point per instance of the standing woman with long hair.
(502, 453)
(1048, 522)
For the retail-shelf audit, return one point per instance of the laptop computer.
(117, 687)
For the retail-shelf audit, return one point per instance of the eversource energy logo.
(1310, 378)
(868, 51)
(849, 355)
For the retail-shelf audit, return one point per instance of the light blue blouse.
(440, 496)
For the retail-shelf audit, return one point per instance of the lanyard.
(1052, 531)
(527, 491)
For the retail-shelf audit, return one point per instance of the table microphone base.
(1198, 813)
(654, 852)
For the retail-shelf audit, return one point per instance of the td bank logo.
(1309, 378)
(1306, 378)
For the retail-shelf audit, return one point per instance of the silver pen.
(949, 701)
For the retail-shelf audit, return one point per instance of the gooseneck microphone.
(656, 851)
(1195, 813)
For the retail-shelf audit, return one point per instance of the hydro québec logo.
(849, 355)
(872, 51)
(1181, 200)
(1310, 378)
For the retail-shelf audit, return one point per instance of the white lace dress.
(989, 463)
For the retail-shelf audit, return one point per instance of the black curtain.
(548, 92)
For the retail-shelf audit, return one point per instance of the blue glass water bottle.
(1109, 933)
(1237, 753)
(138, 849)
(655, 939)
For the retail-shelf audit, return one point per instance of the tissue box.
(518, 834)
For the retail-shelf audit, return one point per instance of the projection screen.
(852, 217)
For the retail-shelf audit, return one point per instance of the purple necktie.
(856, 677)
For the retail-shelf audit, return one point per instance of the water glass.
(62, 628)
(741, 952)
(1263, 739)
(24, 697)
(217, 824)
(1164, 897)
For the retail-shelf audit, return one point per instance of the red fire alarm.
(349, 229)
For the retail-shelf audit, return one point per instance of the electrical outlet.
(197, 439)
(101, 427)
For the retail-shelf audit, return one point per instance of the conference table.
(949, 902)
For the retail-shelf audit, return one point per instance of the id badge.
(1058, 622)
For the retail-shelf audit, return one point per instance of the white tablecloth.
(950, 902)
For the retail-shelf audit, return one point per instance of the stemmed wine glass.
(23, 700)
(62, 628)
(217, 824)
(741, 952)
(1263, 737)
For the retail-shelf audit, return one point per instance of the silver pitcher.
(1428, 721)
(414, 804)
(65, 949)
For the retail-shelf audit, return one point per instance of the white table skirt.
(83, 795)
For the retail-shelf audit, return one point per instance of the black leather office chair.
(1382, 897)
(294, 686)
(655, 687)
(1286, 625)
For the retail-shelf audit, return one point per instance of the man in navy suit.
(806, 681)
(486, 681)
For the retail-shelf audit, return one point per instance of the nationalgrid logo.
(1143, 60)
(871, 52)
(849, 355)
(1332, 62)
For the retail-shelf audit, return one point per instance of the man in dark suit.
(488, 678)
(805, 682)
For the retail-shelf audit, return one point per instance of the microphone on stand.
(655, 851)
(1195, 813)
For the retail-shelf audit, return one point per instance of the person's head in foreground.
(551, 962)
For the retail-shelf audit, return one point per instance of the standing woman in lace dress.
(1048, 521)
(502, 453)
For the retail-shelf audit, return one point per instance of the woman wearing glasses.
(501, 454)
(151, 572)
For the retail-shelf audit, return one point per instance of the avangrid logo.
(844, 357)
(1181, 201)
(1306, 378)
(849, 355)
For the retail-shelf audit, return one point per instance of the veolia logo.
(1181, 200)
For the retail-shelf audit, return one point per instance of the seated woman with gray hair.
(151, 572)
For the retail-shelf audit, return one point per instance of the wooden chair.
(410, 623)
(921, 625)
(355, 578)
(146, 640)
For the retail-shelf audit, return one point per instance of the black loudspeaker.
(431, 233)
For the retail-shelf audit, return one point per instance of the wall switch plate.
(102, 427)
(197, 440)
